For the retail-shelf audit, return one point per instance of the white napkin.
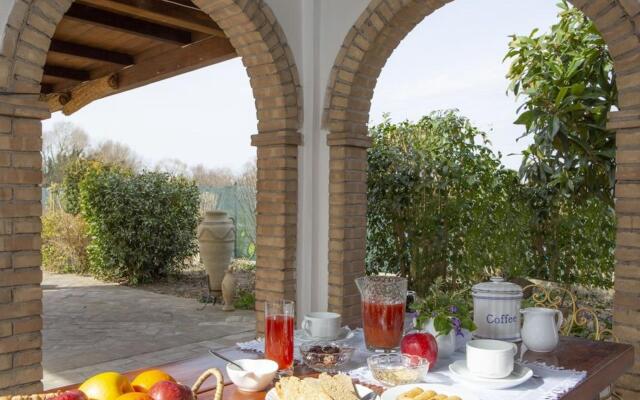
(550, 382)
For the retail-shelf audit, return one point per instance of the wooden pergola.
(103, 47)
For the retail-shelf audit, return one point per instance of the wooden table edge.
(611, 371)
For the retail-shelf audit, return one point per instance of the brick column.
(20, 274)
(277, 209)
(626, 313)
(347, 222)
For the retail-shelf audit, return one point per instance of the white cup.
(321, 325)
(490, 358)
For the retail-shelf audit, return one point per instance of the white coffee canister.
(496, 310)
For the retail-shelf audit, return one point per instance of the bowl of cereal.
(392, 369)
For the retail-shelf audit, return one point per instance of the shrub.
(245, 300)
(64, 242)
(440, 204)
(70, 188)
(143, 226)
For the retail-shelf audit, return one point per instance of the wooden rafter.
(175, 62)
(92, 53)
(66, 73)
(128, 24)
(167, 13)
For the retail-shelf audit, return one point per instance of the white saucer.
(343, 334)
(520, 375)
(395, 392)
(361, 390)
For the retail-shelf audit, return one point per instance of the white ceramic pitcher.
(540, 328)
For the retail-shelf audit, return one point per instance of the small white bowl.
(258, 375)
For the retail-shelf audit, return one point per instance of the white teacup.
(321, 325)
(490, 358)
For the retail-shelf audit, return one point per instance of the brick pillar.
(626, 313)
(347, 222)
(20, 274)
(277, 209)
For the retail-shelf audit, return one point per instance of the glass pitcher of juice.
(383, 304)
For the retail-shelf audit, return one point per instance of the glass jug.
(383, 303)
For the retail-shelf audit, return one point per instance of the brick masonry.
(363, 54)
(260, 41)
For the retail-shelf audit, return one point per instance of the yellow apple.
(106, 386)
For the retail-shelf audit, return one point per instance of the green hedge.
(142, 226)
(440, 204)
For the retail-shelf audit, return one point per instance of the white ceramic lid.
(497, 285)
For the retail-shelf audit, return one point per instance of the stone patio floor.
(92, 326)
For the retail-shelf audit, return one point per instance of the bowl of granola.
(392, 369)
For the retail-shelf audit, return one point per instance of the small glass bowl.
(394, 369)
(326, 356)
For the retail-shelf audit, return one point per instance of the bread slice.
(339, 387)
(292, 388)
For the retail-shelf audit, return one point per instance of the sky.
(452, 59)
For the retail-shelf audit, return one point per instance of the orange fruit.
(106, 386)
(134, 396)
(144, 381)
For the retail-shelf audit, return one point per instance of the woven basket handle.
(205, 375)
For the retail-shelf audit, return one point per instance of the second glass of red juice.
(279, 329)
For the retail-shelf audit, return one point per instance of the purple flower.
(453, 309)
(457, 326)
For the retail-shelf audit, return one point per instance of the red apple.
(167, 390)
(73, 394)
(420, 344)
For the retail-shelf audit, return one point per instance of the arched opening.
(246, 29)
(357, 68)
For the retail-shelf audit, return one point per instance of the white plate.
(520, 375)
(343, 334)
(362, 391)
(464, 394)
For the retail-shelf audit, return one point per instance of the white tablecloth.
(550, 382)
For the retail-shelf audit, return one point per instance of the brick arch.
(364, 52)
(259, 40)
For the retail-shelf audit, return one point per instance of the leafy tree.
(567, 85)
(566, 80)
(440, 204)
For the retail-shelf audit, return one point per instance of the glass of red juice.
(383, 307)
(278, 339)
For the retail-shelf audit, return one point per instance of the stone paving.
(92, 326)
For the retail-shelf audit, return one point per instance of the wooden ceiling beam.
(167, 13)
(89, 52)
(174, 62)
(123, 23)
(66, 73)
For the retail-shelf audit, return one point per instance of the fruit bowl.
(397, 369)
(114, 382)
(326, 356)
